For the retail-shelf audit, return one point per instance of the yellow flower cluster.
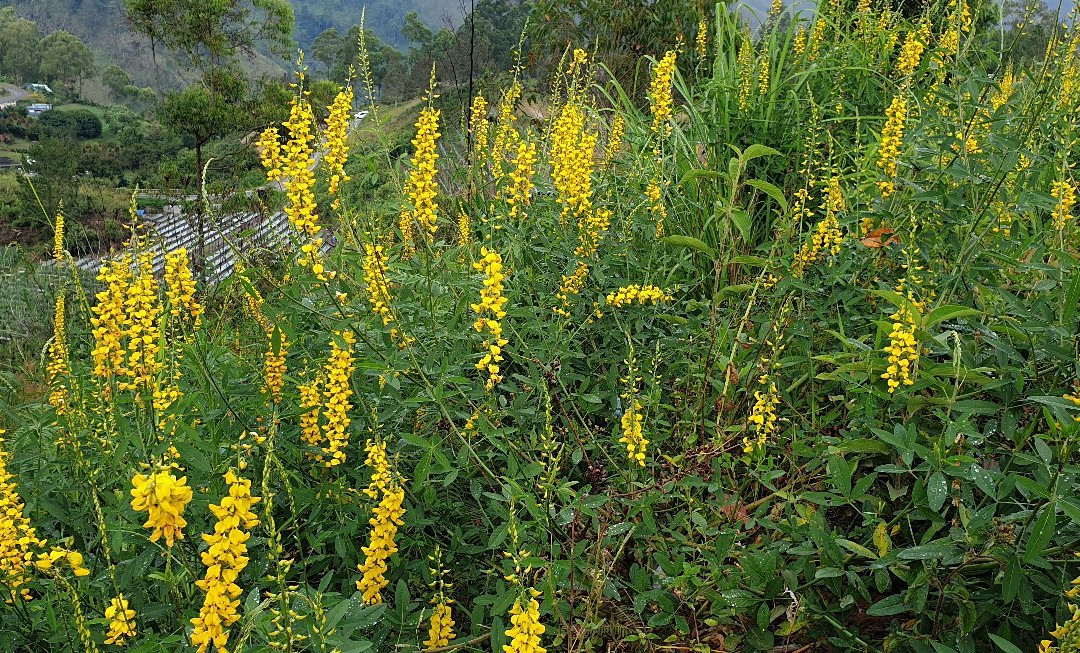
(310, 402)
(521, 183)
(912, 51)
(337, 389)
(570, 286)
(660, 94)
(298, 177)
(269, 147)
(464, 235)
(632, 433)
(58, 367)
(1067, 634)
(763, 73)
(614, 138)
(525, 627)
(180, 287)
(441, 628)
(762, 416)
(224, 558)
(892, 137)
(1004, 90)
(745, 64)
(827, 237)
(18, 538)
(337, 140)
(591, 229)
(653, 193)
(109, 319)
(386, 517)
(479, 124)
(903, 350)
(577, 60)
(489, 313)
(163, 498)
(572, 161)
(701, 41)
(627, 295)
(421, 188)
(798, 45)
(274, 365)
(74, 559)
(142, 310)
(121, 621)
(1064, 191)
(505, 125)
(58, 236)
(378, 288)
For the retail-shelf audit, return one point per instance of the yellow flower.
(570, 286)
(269, 147)
(386, 517)
(141, 317)
(653, 193)
(378, 289)
(633, 436)
(109, 319)
(310, 402)
(489, 313)
(504, 126)
(521, 184)
(163, 497)
(903, 350)
(701, 41)
(421, 188)
(293, 165)
(799, 43)
(892, 138)
(337, 140)
(525, 627)
(180, 287)
(479, 124)
(121, 621)
(58, 236)
(58, 368)
(912, 50)
(1064, 191)
(274, 365)
(827, 237)
(572, 161)
(745, 64)
(660, 95)
(763, 417)
(627, 295)
(18, 538)
(224, 558)
(615, 137)
(337, 389)
(441, 629)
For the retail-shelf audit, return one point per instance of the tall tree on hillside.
(65, 58)
(210, 35)
(326, 47)
(19, 39)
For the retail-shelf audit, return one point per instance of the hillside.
(384, 17)
(101, 24)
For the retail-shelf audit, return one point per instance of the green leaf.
(937, 490)
(770, 190)
(929, 551)
(1005, 645)
(1041, 532)
(756, 151)
(741, 220)
(888, 606)
(691, 242)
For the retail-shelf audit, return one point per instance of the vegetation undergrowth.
(781, 356)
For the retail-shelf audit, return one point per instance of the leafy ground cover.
(782, 357)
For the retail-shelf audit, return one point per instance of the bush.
(80, 124)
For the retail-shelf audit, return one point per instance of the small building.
(35, 110)
(38, 88)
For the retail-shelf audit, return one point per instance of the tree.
(327, 47)
(415, 30)
(117, 80)
(19, 39)
(210, 33)
(65, 58)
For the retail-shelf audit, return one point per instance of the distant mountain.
(103, 26)
(384, 17)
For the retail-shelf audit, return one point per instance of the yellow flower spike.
(489, 312)
(180, 288)
(121, 621)
(1064, 191)
(660, 93)
(387, 516)
(337, 390)
(163, 497)
(337, 140)
(634, 293)
(421, 189)
(892, 138)
(525, 628)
